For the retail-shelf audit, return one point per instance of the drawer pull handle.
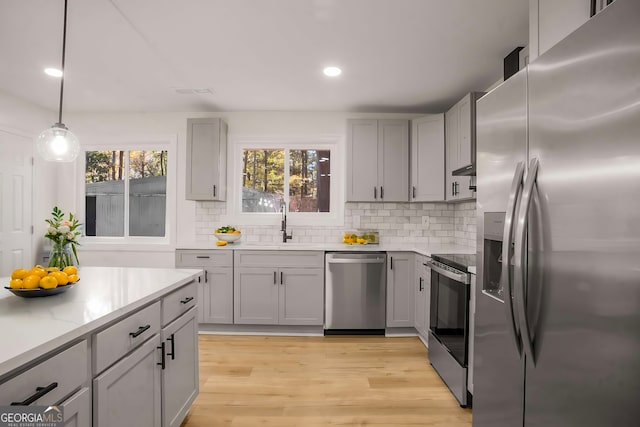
(40, 391)
(186, 300)
(173, 347)
(163, 361)
(140, 331)
(203, 256)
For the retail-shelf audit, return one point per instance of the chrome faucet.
(283, 223)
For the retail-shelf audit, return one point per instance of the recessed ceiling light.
(332, 71)
(53, 72)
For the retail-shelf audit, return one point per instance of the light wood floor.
(320, 381)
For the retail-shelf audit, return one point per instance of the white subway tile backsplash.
(417, 223)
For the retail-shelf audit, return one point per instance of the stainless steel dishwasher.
(355, 293)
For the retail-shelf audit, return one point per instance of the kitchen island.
(120, 338)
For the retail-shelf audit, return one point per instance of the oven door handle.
(458, 277)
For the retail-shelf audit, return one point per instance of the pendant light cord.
(64, 47)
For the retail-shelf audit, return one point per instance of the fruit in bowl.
(39, 277)
(228, 234)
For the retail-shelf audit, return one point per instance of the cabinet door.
(77, 409)
(206, 159)
(394, 152)
(255, 296)
(427, 159)
(419, 295)
(362, 161)
(180, 377)
(427, 296)
(466, 132)
(301, 296)
(400, 289)
(218, 296)
(451, 139)
(129, 393)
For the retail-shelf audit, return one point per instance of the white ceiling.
(131, 55)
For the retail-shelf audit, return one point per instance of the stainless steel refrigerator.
(557, 326)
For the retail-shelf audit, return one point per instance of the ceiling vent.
(189, 91)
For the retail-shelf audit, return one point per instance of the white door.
(15, 202)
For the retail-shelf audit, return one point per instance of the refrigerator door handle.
(507, 237)
(520, 270)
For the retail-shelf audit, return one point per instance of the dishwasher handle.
(356, 261)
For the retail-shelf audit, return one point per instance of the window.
(304, 184)
(126, 193)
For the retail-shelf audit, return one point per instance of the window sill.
(125, 245)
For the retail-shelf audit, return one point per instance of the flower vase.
(61, 256)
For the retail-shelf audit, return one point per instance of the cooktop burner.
(461, 262)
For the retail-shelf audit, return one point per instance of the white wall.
(28, 120)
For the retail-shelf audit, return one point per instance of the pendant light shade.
(59, 144)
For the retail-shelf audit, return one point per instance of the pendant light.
(58, 143)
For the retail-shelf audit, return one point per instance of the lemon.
(48, 282)
(60, 277)
(32, 281)
(70, 270)
(51, 269)
(20, 273)
(38, 271)
(15, 284)
(236, 232)
(73, 278)
(221, 243)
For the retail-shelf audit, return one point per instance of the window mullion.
(286, 177)
(126, 193)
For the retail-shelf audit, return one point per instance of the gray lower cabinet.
(129, 393)
(255, 296)
(77, 409)
(215, 287)
(278, 287)
(422, 296)
(217, 296)
(179, 379)
(301, 296)
(400, 289)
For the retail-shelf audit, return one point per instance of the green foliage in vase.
(62, 233)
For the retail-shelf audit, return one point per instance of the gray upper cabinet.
(206, 159)
(427, 159)
(400, 289)
(377, 160)
(460, 134)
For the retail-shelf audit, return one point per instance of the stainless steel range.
(449, 321)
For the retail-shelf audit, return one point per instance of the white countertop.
(31, 327)
(426, 250)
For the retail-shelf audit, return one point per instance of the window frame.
(335, 216)
(152, 143)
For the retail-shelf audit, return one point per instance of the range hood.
(468, 170)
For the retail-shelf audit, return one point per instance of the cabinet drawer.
(179, 301)
(63, 373)
(202, 258)
(275, 259)
(118, 340)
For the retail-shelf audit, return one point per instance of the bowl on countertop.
(228, 237)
